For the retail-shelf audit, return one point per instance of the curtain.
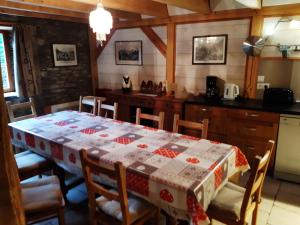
(26, 35)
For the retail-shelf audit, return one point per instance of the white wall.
(190, 76)
(154, 63)
(193, 76)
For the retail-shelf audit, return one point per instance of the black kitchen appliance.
(212, 90)
(278, 96)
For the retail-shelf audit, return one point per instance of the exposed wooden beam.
(20, 9)
(252, 63)
(136, 6)
(171, 52)
(125, 15)
(155, 39)
(280, 10)
(190, 18)
(11, 208)
(201, 6)
(93, 59)
(100, 48)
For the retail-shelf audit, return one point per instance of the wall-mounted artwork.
(128, 53)
(64, 55)
(210, 49)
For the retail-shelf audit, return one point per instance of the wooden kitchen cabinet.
(250, 130)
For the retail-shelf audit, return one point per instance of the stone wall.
(59, 84)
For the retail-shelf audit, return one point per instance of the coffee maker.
(212, 90)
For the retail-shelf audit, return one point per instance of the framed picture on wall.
(211, 49)
(129, 53)
(64, 55)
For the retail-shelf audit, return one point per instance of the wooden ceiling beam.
(200, 6)
(146, 7)
(100, 48)
(20, 9)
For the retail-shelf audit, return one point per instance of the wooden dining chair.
(29, 164)
(25, 106)
(42, 199)
(234, 204)
(114, 206)
(159, 119)
(108, 108)
(203, 126)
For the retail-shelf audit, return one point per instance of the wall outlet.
(261, 78)
(261, 86)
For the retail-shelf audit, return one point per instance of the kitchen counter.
(250, 104)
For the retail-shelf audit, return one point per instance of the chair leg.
(60, 173)
(61, 216)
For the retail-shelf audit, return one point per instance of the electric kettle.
(231, 91)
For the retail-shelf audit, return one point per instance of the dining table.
(178, 173)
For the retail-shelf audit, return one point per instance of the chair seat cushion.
(41, 194)
(136, 206)
(228, 202)
(27, 161)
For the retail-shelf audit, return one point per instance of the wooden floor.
(280, 205)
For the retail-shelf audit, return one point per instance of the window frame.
(8, 62)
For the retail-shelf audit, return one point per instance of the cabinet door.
(169, 108)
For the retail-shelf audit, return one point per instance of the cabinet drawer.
(254, 115)
(197, 112)
(252, 129)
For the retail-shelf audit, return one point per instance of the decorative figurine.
(126, 84)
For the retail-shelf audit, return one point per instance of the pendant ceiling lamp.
(101, 22)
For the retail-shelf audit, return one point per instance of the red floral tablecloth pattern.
(176, 172)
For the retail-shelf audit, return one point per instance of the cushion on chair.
(137, 207)
(41, 194)
(228, 201)
(27, 161)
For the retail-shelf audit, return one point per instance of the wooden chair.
(106, 108)
(114, 206)
(21, 106)
(192, 125)
(42, 199)
(90, 101)
(61, 107)
(234, 204)
(159, 118)
(29, 164)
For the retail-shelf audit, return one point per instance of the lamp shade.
(101, 22)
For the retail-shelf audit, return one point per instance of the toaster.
(278, 96)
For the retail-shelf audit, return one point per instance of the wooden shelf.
(281, 59)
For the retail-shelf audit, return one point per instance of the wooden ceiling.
(121, 10)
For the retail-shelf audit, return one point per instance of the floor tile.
(266, 204)
(271, 187)
(288, 201)
(280, 216)
(262, 219)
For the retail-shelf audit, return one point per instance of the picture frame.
(210, 49)
(129, 53)
(64, 55)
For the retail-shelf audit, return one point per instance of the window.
(7, 77)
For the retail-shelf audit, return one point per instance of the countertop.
(251, 104)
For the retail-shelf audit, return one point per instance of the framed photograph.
(64, 55)
(210, 49)
(129, 53)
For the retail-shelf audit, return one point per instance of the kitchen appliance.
(212, 90)
(287, 164)
(278, 96)
(231, 91)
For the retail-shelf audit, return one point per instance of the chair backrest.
(106, 108)
(88, 100)
(203, 126)
(21, 106)
(118, 174)
(159, 119)
(255, 183)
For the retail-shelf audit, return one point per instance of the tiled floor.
(280, 205)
